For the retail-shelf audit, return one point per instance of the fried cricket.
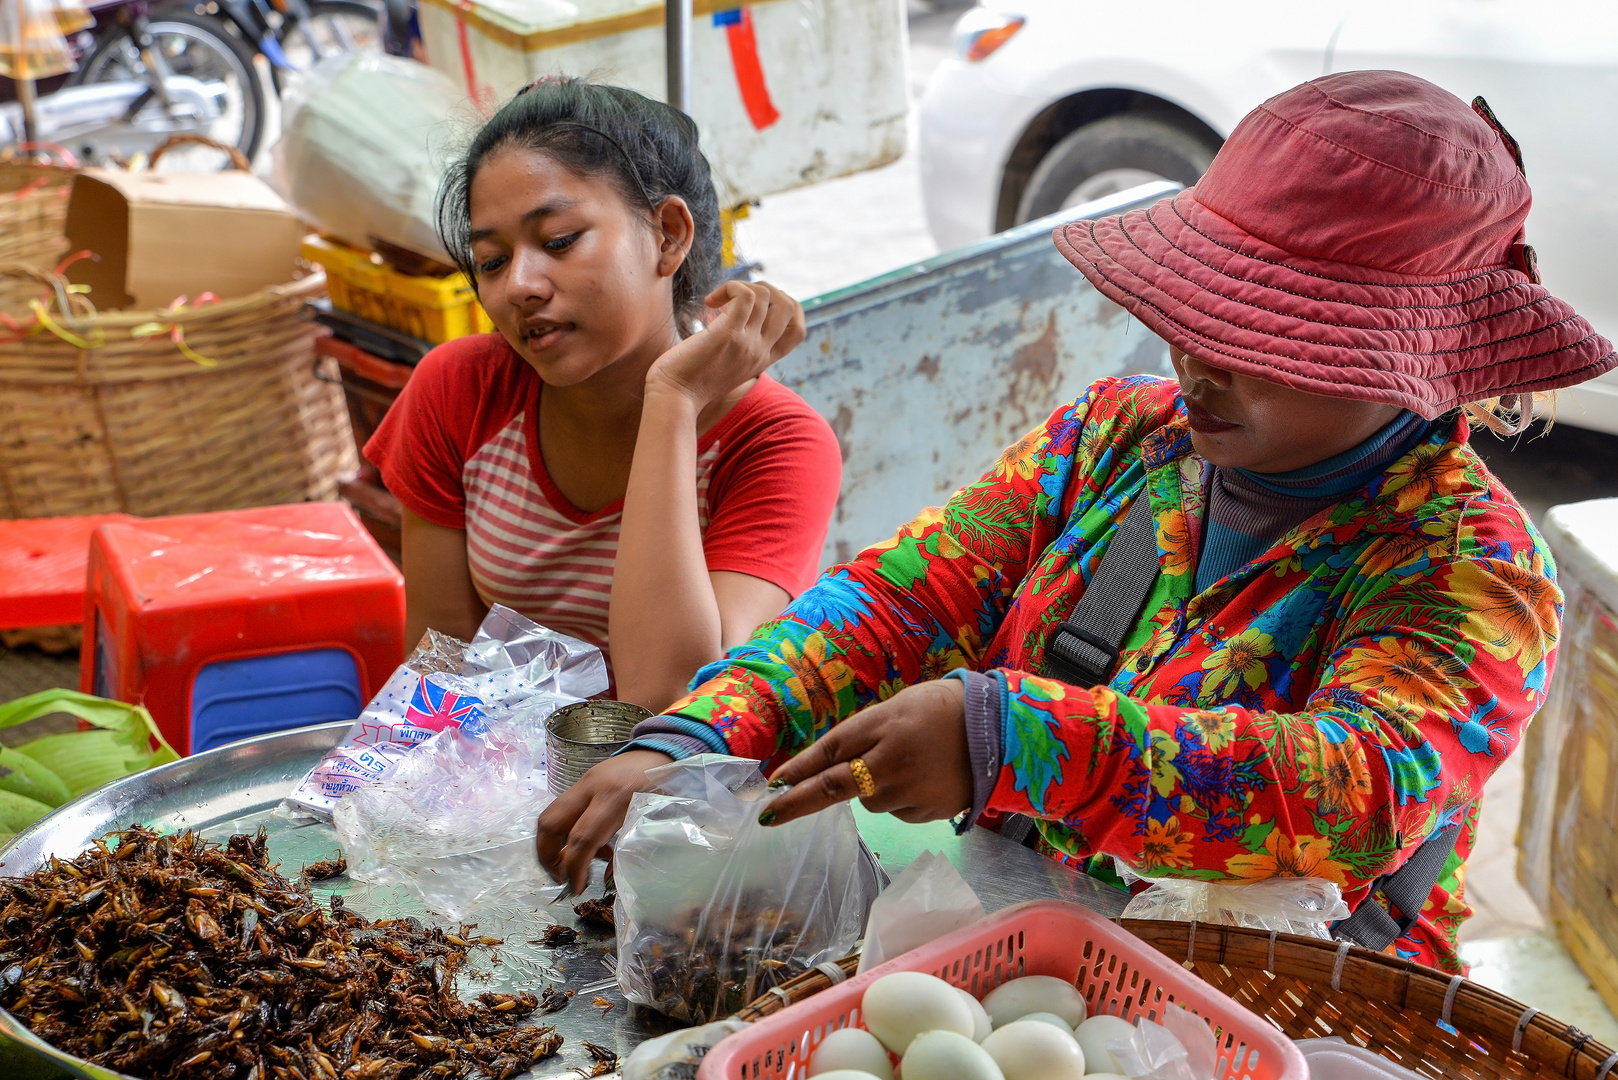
(174, 958)
(326, 868)
(597, 913)
(605, 1061)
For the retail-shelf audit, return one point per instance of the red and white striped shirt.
(460, 448)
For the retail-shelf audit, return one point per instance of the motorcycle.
(146, 72)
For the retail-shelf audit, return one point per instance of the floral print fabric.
(1319, 712)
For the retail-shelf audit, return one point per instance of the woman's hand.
(757, 324)
(580, 824)
(914, 745)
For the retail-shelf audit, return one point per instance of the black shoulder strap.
(1405, 890)
(1085, 648)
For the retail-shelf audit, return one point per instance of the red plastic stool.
(241, 623)
(42, 564)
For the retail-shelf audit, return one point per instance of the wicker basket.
(210, 407)
(1310, 988)
(33, 208)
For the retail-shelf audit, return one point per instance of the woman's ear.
(678, 231)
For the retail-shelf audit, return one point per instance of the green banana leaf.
(22, 775)
(121, 745)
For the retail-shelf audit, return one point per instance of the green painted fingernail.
(778, 783)
(767, 818)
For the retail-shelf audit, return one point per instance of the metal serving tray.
(237, 788)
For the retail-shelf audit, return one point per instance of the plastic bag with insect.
(714, 909)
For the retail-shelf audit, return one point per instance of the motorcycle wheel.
(205, 49)
(339, 26)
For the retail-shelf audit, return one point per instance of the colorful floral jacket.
(1317, 713)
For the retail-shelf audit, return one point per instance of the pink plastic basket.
(1116, 972)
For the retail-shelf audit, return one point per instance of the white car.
(1045, 104)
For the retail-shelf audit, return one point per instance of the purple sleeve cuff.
(678, 747)
(678, 736)
(983, 738)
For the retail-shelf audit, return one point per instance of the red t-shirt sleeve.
(460, 395)
(773, 490)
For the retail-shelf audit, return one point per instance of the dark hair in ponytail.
(647, 150)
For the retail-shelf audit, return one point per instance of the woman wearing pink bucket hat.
(1273, 620)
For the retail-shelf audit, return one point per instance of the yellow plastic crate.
(431, 308)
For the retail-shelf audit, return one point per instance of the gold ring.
(862, 777)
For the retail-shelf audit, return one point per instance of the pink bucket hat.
(1358, 236)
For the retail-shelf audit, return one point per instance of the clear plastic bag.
(1290, 905)
(1181, 1048)
(454, 821)
(513, 667)
(713, 908)
(365, 143)
(925, 902)
(677, 1055)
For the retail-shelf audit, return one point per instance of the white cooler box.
(1568, 839)
(786, 92)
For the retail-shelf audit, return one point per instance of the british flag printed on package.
(512, 666)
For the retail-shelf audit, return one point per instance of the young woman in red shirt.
(603, 463)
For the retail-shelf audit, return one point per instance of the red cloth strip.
(750, 73)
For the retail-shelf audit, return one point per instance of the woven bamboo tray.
(208, 407)
(1312, 989)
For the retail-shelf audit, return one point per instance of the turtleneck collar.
(1249, 511)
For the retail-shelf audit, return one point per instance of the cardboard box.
(1568, 839)
(158, 236)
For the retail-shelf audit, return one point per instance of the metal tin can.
(578, 736)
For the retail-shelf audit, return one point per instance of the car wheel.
(1109, 155)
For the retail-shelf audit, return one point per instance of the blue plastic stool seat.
(238, 699)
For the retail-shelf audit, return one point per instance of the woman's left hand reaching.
(757, 324)
(914, 749)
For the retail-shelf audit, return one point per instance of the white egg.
(851, 1050)
(980, 1019)
(900, 1006)
(1049, 1018)
(946, 1055)
(1094, 1035)
(1030, 1050)
(846, 1074)
(1035, 993)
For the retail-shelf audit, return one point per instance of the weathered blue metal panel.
(928, 373)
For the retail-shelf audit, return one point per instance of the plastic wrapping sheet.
(513, 669)
(1569, 833)
(925, 902)
(365, 144)
(1180, 1048)
(713, 908)
(1290, 905)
